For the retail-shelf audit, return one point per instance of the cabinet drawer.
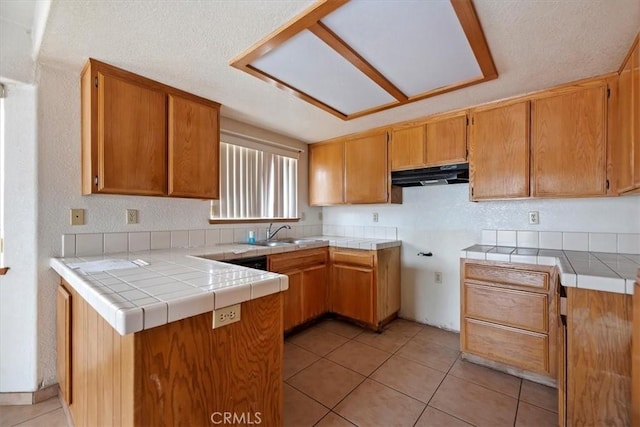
(507, 276)
(523, 349)
(521, 309)
(297, 260)
(362, 258)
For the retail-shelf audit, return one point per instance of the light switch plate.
(77, 216)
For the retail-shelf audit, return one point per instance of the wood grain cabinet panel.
(520, 309)
(366, 171)
(447, 141)
(507, 276)
(624, 145)
(63, 330)
(516, 347)
(499, 152)
(132, 151)
(194, 147)
(326, 174)
(352, 292)
(635, 76)
(599, 330)
(407, 147)
(365, 285)
(569, 150)
(307, 296)
(179, 373)
(141, 137)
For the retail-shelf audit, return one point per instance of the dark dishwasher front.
(257, 262)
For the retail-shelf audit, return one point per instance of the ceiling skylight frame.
(311, 19)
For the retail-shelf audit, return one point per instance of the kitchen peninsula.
(136, 345)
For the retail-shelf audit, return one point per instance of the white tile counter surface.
(598, 271)
(178, 284)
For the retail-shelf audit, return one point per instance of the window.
(257, 181)
(2, 89)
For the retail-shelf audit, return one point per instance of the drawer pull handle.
(425, 254)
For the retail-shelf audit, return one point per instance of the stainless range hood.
(450, 174)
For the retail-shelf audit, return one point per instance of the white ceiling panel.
(309, 65)
(417, 45)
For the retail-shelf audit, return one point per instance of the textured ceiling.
(188, 44)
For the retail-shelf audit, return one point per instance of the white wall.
(441, 219)
(16, 62)
(18, 289)
(59, 190)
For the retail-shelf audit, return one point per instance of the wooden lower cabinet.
(365, 285)
(307, 296)
(509, 317)
(598, 358)
(181, 373)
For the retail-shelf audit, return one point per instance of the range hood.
(450, 174)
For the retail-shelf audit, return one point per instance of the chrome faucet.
(271, 235)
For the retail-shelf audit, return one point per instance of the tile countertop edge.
(568, 276)
(132, 319)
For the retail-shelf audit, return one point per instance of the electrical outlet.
(226, 316)
(375, 217)
(438, 277)
(302, 216)
(534, 217)
(320, 215)
(77, 216)
(132, 216)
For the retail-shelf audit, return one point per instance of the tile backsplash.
(360, 231)
(572, 241)
(107, 243)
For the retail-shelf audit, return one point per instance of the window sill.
(251, 220)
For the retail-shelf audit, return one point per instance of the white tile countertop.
(177, 283)
(609, 272)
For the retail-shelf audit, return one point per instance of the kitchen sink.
(283, 242)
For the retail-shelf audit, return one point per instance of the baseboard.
(29, 398)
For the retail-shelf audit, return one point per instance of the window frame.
(237, 139)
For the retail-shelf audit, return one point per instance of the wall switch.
(77, 216)
(320, 215)
(534, 217)
(438, 276)
(132, 216)
(226, 316)
(375, 217)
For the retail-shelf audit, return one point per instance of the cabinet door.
(366, 171)
(499, 152)
(623, 148)
(352, 292)
(194, 149)
(292, 301)
(132, 139)
(447, 141)
(636, 113)
(407, 148)
(63, 329)
(326, 174)
(569, 144)
(314, 292)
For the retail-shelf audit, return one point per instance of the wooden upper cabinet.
(407, 147)
(635, 76)
(326, 174)
(194, 146)
(366, 171)
(131, 127)
(499, 152)
(569, 150)
(141, 137)
(624, 145)
(447, 141)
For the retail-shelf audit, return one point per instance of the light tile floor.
(337, 374)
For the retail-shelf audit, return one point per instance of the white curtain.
(256, 184)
